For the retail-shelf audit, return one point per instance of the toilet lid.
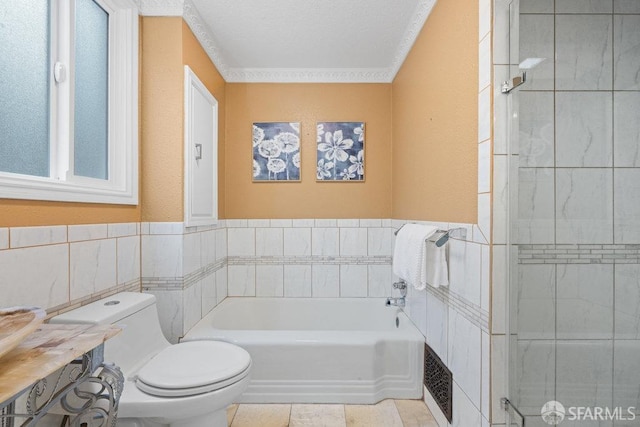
(193, 367)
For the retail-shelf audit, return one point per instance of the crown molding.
(309, 75)
(190, 14)
(160, 7)
(422, 12)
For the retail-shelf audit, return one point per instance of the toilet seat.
(191, 368)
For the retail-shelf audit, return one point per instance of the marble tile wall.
(62, 267)
(186, 269)
(576, 177)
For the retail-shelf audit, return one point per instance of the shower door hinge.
(516, 81)
(516, 415)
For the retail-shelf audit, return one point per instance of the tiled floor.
(388, 413)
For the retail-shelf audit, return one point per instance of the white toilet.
(183, 385)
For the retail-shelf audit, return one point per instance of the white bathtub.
(321, 350)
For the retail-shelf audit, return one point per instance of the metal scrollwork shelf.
(85, 391)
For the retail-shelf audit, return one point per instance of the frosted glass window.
(24, 87)
(91, 90)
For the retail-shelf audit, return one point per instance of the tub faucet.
(398, 302)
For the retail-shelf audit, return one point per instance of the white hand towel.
(409, 257)
(417, 260)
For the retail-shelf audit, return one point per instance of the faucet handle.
(400, 285)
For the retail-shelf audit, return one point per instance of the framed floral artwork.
(276, 151)
(340, 151)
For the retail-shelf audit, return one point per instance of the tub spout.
(398, 302)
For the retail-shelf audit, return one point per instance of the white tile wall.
(626, 128)
(269, 242)
(92, 267)
(353, 280)
(21, 237)
(241, 280)
(269, 280)
(627, 60)
(162, 255)
(87, 232)
(325, 280)
(353, 241)
(241, 241)
(4, 238)
(297, 280)
(297, 241)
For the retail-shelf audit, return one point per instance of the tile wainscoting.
(62, 267)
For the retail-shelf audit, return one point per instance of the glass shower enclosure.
(574, 218)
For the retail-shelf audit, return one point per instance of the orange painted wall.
(308, 104)
(435, 125)
(162, 117)
(197, 59)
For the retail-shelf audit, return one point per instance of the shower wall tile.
(4, 238)
(535, 374)
(499, 389)
(484, 167)
(536, 6)
(37, 276)
(536, 299)
(627, 302)
(437, 326)
(626, 205)
(221, 244)
(192, 252)
(269, 280)
(484, 115)
(297, 281)
(325, 281)
(585, 301)
(77, 233)
(626, 62)
(536, 41)
(416, 308)
(584, 372)
(465, 261)
(241, 280)
(537, 129)
(353, 241)
(379, 278)
(171, 313)
(209, 294)
(92, 266)
(500, 197)
(584, 52)
(122, 229)
(584, 205)
(626, 6)
(192, 303)
(485, 392)
(297, 241)
(584, 129)
(501, 102)
(536, 210)
(208, 247)
(325, 241)
(379, 242)
(498, 289)
(464, 351)
(484, 62)
(21, 237)
(584, 6)
(353, 280)
(626, 374)
(221, 284)
(501, 32)
(485, 278)
(241, 241)
(269, 242)
(161, 256)
(128, 258)
(626, 129)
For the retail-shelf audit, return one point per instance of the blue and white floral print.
(340, 151)
(276, 151)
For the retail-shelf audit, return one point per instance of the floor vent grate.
(438, 379)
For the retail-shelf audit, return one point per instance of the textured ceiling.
(304, 40)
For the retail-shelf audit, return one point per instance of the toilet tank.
(141, 337)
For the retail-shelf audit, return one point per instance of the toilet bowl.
(182, 385)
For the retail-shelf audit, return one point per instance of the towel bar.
(443, 235)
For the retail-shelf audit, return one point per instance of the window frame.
(121, 186)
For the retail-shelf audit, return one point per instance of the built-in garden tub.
(320, 350)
